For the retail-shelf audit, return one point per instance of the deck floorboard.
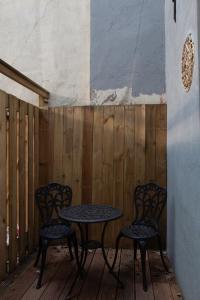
(98, 283)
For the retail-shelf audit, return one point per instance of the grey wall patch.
(127, 46)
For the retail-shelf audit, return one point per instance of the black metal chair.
(150, 200)
(50, 200)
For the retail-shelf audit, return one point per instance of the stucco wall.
(183, 151)
(49, 41)
(81, 50)
(127, 51)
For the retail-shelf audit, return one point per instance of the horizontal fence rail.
(20, 78)
(103, 153)
(12, 73)
(19, 171)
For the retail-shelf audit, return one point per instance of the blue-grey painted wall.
(127, 46)
(183, 151)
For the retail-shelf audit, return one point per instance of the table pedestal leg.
(105, 257)
(84, 254)
(84, 239)
(81, 264)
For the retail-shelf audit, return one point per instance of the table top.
(90, 213)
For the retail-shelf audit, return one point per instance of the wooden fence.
(19, 171)
(103, 153)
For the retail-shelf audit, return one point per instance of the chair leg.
(116, 250)
(143, 248)
(39, 252)
(70, 248)
(44, 253)
(161, 253)
(135, 249)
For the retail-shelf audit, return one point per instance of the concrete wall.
(50, 41)
(127, 51)
(183, 151)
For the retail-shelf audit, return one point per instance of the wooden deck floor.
(99, 284)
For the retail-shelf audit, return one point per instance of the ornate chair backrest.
(50, 199)
(150, 200)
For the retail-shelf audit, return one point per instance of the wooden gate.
(19, 171)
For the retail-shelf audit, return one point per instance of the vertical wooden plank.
(22, 180)
(48, 123)
(118, 166)
(58, 145)
(30, 179)
(108, 150)
(44, 161)
(150, 159)
(17, 198)
(161, 141)
(97, 166)
(77, 154)
(161, 158)
(68, 115)
(139, 144)
(108, 147)
(97, 184)
(3, 175)
(45, 148)
(13, 106)
(36, 172)
(129, 168)
(26, 172)
(87, 155)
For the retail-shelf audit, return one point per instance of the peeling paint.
(109, 97)
(123, 96)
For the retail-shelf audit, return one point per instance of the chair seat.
(55, 231)
(139, 231)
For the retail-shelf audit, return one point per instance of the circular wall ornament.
(188, 63)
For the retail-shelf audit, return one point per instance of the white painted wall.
(183, 151)
(49, 41)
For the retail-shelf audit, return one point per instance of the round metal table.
(86, 214)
